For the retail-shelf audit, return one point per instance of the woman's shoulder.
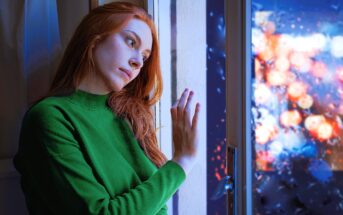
(47, 108)
(48, 104)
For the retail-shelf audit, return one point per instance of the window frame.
(238, 100)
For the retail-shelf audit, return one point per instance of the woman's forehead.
(142, 30)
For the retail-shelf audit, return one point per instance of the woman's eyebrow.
(138, 38)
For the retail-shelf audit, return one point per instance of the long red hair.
(135, 100)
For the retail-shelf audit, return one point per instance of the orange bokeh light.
(312, 122)
(324, 131)
(263, 160)
(282, 64)
(320, 128)
(264, 133)
(266, 54)
(277, 78)
(296, 90)
(305, 101)
(290, 118)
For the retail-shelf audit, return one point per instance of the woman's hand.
(185, 131)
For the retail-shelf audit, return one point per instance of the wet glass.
(216, 109)
(297, 106)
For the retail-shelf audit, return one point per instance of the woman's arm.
(51, 161)
(163, 211)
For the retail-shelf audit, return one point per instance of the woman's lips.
(126, 72)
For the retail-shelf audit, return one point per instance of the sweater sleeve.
(51, 159)
(163, 211)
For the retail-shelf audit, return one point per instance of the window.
(296, 107)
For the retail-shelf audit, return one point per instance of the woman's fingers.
(181, 110)
(182, 102)
(195, 117)
(173, 110)
(187, 110)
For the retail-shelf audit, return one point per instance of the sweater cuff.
(180, 171)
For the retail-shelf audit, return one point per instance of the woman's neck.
(94, 85)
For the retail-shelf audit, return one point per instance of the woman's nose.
(135, 63)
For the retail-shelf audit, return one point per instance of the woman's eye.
(131, 42)
(144, 58)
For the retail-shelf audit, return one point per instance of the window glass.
(297, 106)
(216, 114)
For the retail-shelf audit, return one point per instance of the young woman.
(89, 146)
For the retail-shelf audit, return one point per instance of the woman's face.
(120, 56)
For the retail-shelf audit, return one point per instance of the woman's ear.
(96, 40)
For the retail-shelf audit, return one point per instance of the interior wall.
(69, 17)
(33, 35)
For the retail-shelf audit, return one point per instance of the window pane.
(297, 106)
(216, 122)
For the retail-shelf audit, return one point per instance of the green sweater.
(76, 157)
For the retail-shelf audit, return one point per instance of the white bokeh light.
(259, 40)
(337, 46)
(275, 148)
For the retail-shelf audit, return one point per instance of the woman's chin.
(116, 85)
(117, 88)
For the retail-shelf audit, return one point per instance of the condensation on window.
(297, 106)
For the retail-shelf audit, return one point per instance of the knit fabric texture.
(76, 156)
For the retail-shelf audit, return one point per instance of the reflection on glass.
(297, 106)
